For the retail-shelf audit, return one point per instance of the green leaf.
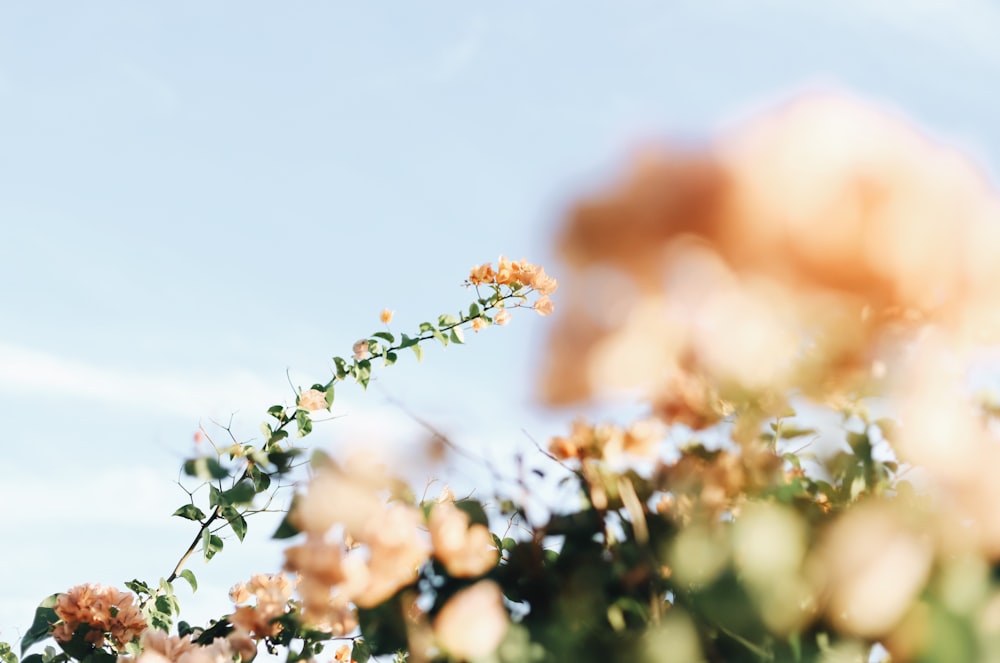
(190, 512)
(473, 509)
(241, 493)
(445, 320)
(214, 496)
(139, 587)
(441, 337)
(457, 335)
(364, 372)
(386, 336)
(474, 310)
(236, 521)
(211, 545)
(188, 575)
(6, 655)
(261, 480)
(408, 342)
(286, 529)
(418, 351)
(341, 367)
(390, 358)
(205, 468)
(360, 652)
(304, 423)
(426, 327)
(277, 411)
(45, 617)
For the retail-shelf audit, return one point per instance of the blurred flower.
(312, 399)
(473, 621)
(361, 350)
(502, 317)
(465, 550)
(544, 306)
(478, 324)
(386, 316)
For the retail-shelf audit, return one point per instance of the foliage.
(809, 482)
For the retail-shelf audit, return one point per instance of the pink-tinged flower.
(105, 610)
(466, 551)
(544, 306)
(312, 400)
(361, 350)
(386, 316)
(502, 317)
(239, 593)
(479, 324)
(473, 621)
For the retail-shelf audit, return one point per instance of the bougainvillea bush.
(794, 308)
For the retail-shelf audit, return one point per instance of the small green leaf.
(241, 493)
(408, 342)
(418, 351)
(474, 310)
(214, 497)
(236, 521)
(390, 358)
(188, 575)
(286, 529)
(360, 652)
(341, 367)
(190, 512)
(441, 337)
(303, 422)
(457, 335)
(211, 545)
(445, 320)
(386, 336)
(205, 468)
(45, 617)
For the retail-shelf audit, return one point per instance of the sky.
(202, 203)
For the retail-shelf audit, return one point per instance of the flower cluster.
(104, 612)
(517, 274)
(271, 594)
(159, 647)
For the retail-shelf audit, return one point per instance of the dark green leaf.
(190, 512)
(360, 652)
(189, 576)
(457, 335)
(241, 493)
(386, 336)
(408, 342)
(286, 529)
(205, 468)
(45, 617)
(236, 521)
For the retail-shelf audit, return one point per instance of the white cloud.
(26, 370)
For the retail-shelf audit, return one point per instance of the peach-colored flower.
(312, 399)
(465, 550)
(502, 317)
(542, 282)
(544, 306)
(386, 316)
(361, 350)
(239, 593)
(478, 324)
(481, 274)
(343, 654)
(473, 621)
(107, 611)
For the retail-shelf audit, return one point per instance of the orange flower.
(386, 316)
(478, 324)
(481, 274)
(544, 306)
(502, 317)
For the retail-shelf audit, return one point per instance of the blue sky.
(196, 198)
